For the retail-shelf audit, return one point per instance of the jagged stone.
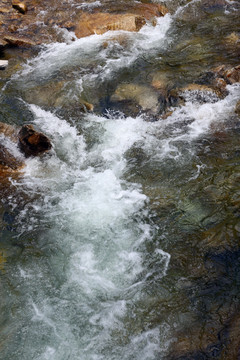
(230, 74)
(33, 143)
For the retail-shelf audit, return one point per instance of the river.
(123, 241)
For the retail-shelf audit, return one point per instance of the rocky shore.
(30, 23)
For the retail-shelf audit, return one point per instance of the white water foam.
(95, 218)
(89, 51)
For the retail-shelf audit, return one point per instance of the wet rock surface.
(27, 24)
(31, 142)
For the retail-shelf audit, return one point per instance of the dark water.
(123, 243)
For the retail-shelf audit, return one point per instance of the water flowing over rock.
(27, 24)
(30, 142)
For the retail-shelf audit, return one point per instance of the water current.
(124, 238)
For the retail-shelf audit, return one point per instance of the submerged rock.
(143, 96)
(57, 94)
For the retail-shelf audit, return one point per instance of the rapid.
(105, 237)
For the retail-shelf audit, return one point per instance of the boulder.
(133, 19)
(31, 142)
(54, 94)
(100, 23)
(144, 97)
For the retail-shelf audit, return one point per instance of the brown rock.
(149, 11)
(220, 84)
(31, 142)
(19, 41)
(233, 75)
(230, 74)
(100, 23)
(88, 106)
(19, 6)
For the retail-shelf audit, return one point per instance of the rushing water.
(126, 234)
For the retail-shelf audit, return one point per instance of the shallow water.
(122, 243)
